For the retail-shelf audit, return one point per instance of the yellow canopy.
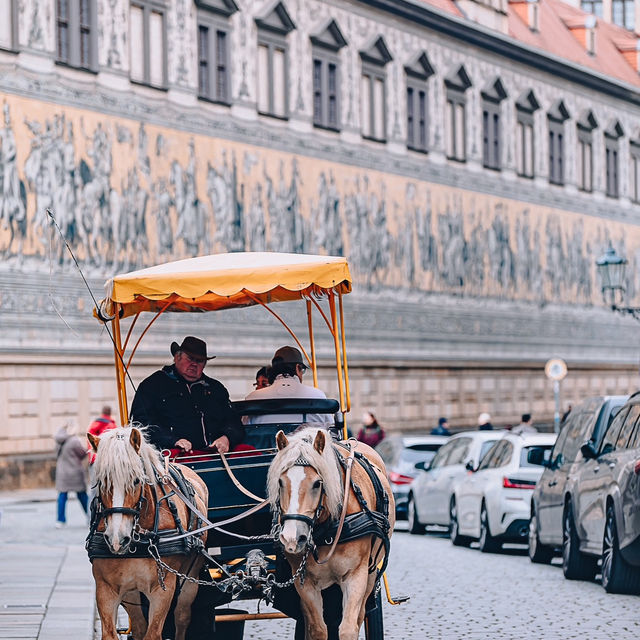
(224, 281)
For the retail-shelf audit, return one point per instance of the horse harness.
(164, 540)
(351, 527)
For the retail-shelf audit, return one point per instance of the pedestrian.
(442, 429)
(525, 425)
(371, 433)
(71, 470)
(103, 423)
(185, 410)
(484, 422)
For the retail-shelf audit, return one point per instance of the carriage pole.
(120, 382)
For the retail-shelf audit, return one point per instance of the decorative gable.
(614, 130)
(558, 112)
(458, 79)
(527, 102)
(329, 36)
(276, 19)
(587, 121)
(377, 52)
(223, 7)
(420, 67)
(494, 91)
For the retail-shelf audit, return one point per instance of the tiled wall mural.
(128, 194)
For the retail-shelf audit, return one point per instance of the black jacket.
(172, 409)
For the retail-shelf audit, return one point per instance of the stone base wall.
(36, 399)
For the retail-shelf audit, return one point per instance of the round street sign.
(555, 369)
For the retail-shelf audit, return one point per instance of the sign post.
(556, 370)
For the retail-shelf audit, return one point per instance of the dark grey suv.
(604, 519)
(553, 498)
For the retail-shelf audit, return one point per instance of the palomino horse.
(136, 504)
(306, 487)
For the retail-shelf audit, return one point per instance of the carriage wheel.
(373, 622)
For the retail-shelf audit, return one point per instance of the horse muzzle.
(296, 532)
(119, 544)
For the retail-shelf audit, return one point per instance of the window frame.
(272, 41)
(74, 29)
(634, 152)
(148, 7)
(326, 57)
(375, 71)
(491, 126)
(525, 119)
(585, 144)
(12, 47)
(418, 85)
(556, 151)
(612, 165)
(457, 96)
(215, 24)
(627, 11)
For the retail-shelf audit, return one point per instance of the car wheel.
(487, 542)
(538, 552)
(618, 576)
(454, 532)
(575, 564)
(415, 526)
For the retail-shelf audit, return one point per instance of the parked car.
(602, 520)
(588, 422)
(429, 498)
(492, 504)
(400, 455)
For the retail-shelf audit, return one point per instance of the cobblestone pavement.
(455, 593)
(459, 593)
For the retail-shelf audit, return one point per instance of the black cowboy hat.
(192, 346)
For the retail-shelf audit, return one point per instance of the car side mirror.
(469, 466)
(588, 451)
(421, 466)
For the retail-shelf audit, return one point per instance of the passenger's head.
(190, 357)
(484, 418)
(526, 418)
(106, 410)
(262, 378)
(443, 422)
(287, 361)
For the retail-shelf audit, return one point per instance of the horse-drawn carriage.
(240, 539)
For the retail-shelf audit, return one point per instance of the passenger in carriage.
(287, 369)
(184, 409)
(262, 378)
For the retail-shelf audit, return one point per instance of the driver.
(184, 409)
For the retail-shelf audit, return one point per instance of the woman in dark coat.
(71, 471)
(371, 433)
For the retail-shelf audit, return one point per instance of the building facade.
(471, 160)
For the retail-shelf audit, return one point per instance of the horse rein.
(343, 513)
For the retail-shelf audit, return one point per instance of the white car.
(430, 493)
(493, 504)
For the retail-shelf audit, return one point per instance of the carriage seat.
(262, 436)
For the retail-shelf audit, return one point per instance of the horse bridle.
(303, 462)
(103, 512)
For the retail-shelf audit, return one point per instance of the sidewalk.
(46, 586)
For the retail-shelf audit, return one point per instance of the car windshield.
(525, 451)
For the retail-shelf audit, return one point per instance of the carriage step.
(399, 599)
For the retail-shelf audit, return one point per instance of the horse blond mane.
(118, 465)
(326, 465)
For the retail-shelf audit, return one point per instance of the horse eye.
(316, 484)
(280, 484)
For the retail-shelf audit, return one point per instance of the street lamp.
(611, 268)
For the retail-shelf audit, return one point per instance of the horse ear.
(135, 439)
(94, 441)
(281, 440)
(319, 442)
